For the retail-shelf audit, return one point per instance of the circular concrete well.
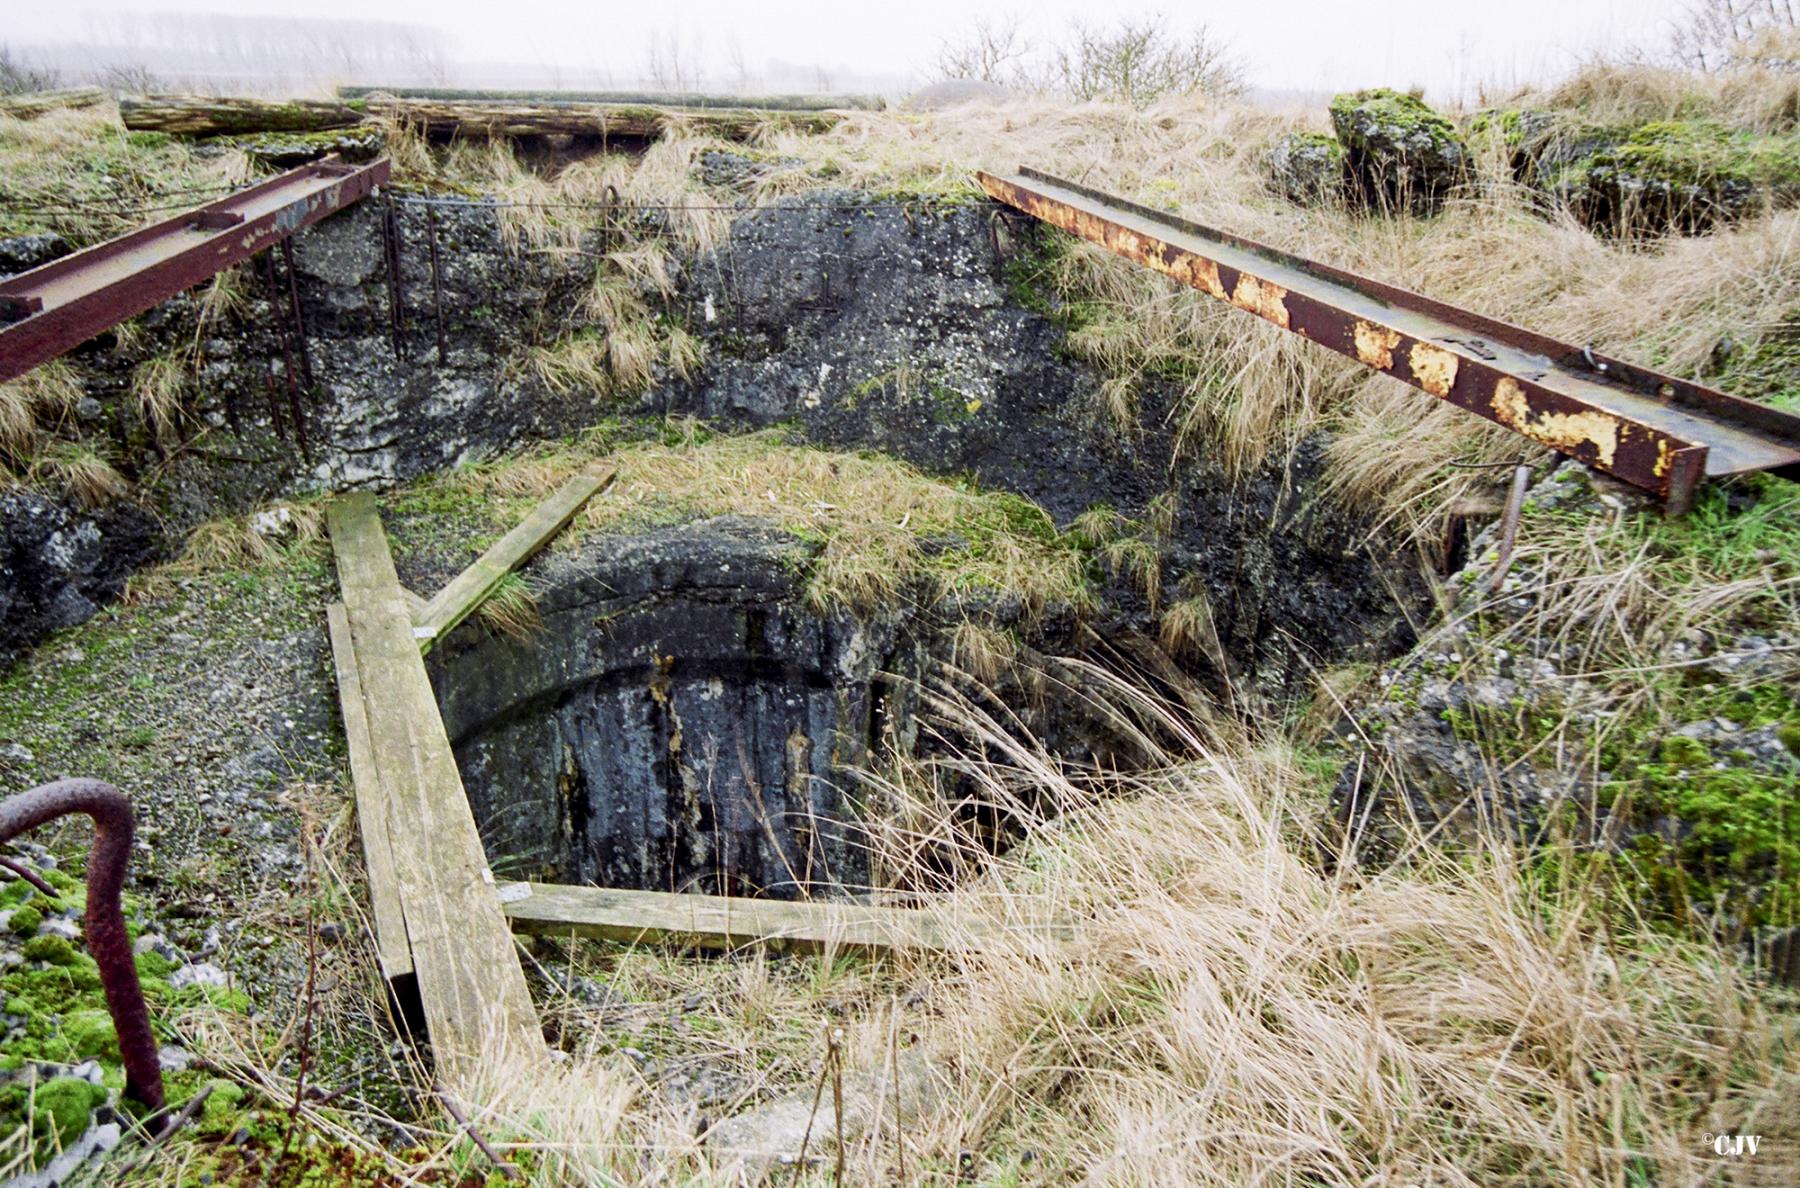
(684, 720)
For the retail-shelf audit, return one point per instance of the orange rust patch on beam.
(1569, 432)
(1197, 272)
(1261, 298)
(1375, 345)
(1433, 368)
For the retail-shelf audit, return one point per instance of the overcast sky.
(1447, 46)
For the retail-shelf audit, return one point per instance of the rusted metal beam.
(1652, 430)
(69, 301)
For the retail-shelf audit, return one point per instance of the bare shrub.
(1140, 60)
(992, 50)
(18, 76)
(1719, 34)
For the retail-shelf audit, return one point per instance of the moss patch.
(1682, 175)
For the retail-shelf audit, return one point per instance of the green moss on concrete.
(1363, 119)
(286, 149)
(61, 1108)
(1768, 371)
(223, 1103)
(25, 921)
(1678, 752)
(1712, 835)
(53, 950)
(1681, 175)
(90, 1034)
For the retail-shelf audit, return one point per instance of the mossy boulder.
(25, 921)
(1539, 143)
(1679, 175)
(1306, 167)
(1401, 154)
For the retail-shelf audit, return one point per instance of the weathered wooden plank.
(31, 104)
(474, 120)
(715, 921)
(468, 589)
(371, 805)
(472, 990)
(210, 115)
(816, 102)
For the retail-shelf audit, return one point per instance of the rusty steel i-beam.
(50, 309)
(1652, 430)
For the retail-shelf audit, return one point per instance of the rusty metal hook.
(104, 921)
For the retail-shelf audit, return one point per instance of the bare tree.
(674, 67)
(992, 50)
(1140, 60)
(735, 63)
(17, 75)
(1719, 34)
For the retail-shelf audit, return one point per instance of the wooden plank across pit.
(472, 990)
(718, 921)
(467, 590)
(439, 919)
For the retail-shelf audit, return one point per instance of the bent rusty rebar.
(105, 919)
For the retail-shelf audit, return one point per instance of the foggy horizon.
(1451, 51)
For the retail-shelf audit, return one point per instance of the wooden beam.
(471, 987)
(817, 102)
(31, 104)
(371, 807)
(210, 115)
(474, 120)
(470, 588)
(721, 922)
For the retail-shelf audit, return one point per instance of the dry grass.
(983, 651)
(83, 471)
(46, 393)
(280, 531)
(1228, 1009)
(1763, 94)
(80, 174)
(512, 608)
(158, 386)
(634, 213)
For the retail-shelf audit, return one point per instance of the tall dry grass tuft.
(1233, 1008)
(45, 393)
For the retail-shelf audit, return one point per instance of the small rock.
(201, 973)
